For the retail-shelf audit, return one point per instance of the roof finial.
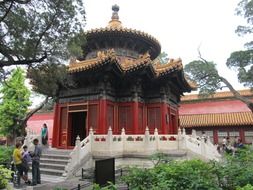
(115, 23)
(115, 15)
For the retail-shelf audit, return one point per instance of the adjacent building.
(219, 116)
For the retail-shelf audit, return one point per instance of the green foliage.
(163, 58)
(111, 186)
(15, 103)
(59, 188)
(245, 10)
(246, 187)
(242, 61)
(5, 176)
(176, 175)
(205, 75)
(236, 171)
(47, 79)
(159, 158)
(231, 174)
(6, 154)
(36, 31)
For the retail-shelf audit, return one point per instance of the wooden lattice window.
(154, 117)
(110, 116)
(125, 117)
(93, 116)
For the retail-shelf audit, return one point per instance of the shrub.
(246, 187)
(5, 176)
(176, 175)
(5, 154)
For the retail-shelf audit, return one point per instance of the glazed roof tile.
(219, 119)
(101, 59)
(217, 95)
(122, 30)
(126, 65)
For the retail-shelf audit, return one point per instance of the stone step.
(53, 172)
(49, 178)
(52, 166)
(55, 156)
(57, 151)
(53, 161)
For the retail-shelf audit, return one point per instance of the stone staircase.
(52, 164)
(53, 161)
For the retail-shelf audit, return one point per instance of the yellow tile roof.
(225, 94)
(125, 65)
(218, 119)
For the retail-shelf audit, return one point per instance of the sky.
(181, 26)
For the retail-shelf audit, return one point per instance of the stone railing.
(109, 145)
(30, 136)
(80, 155)
(198, 145)
(117, 145)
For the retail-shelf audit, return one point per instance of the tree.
(15, 103)
(35, 31)
(242, 61)
(208, 80)
(41, 34)
(162, 58)
(205, 74)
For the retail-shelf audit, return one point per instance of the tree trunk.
(23, 122)
(237, 95)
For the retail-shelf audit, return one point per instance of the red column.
(102, 117)
(145, 117)
(56, 126)
(135, 117)
(170, 126)
(164, 115)
(215, 136)
(242, 134)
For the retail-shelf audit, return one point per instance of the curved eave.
(174, 67)
(92, 64)
(137, 65)
(151, 43)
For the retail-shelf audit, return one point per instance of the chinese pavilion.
(119, 84)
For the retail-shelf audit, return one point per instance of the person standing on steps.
(36, 163)
(44, 134)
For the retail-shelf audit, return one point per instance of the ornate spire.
(115, 23)
(115, 15)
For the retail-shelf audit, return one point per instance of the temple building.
(119, 84)
(219, 116)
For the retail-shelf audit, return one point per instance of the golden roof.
(216, 119)
(217, 95)
(125, 65)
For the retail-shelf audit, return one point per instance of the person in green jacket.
(44, 134)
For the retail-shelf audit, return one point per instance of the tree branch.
(23, 62)
(44, 32)
(237, 95)
(16, 1)
(201, 56)
(33, 111)
(7, 11)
